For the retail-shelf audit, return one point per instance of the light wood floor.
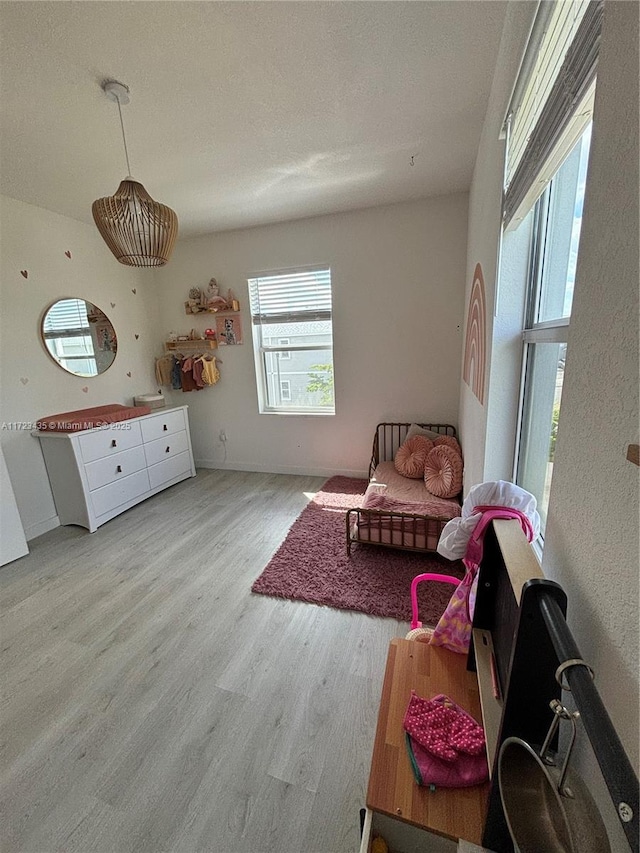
(151, 702)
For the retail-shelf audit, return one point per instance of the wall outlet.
(223, 436)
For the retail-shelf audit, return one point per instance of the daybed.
(398, 512)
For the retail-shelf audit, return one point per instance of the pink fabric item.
(412, 455)
(453, 631)
(392, 492)
(90, 418)
(437, 508)
(446, 745)
(475, 548)
(467, 771)
(443, 472)
(442, 728)
(447, 441)
(387, 481)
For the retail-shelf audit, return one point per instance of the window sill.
(297, 414)
(537, 546)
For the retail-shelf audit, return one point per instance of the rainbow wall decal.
(475, 341)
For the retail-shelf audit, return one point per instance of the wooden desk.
(450, 812)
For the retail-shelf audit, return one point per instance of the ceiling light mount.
(139, 231)
(116, 91)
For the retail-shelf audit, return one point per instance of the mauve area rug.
(312, 564)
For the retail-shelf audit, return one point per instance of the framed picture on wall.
(229, 330)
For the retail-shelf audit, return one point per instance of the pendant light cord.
(124, 138)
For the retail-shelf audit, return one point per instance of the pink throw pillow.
(443, 472)
(412, 455)
(447, 441)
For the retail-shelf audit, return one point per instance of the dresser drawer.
(118, 493)
(169, 468)
(164, 448)
(106, 442)
(160, 425)
(115, 467)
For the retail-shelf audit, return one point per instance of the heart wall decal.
(129, 374)
(86, 389)
(136, 336)
(24, 380)
(134, 291)
(24, 273)
(113, 304)
(68, 254)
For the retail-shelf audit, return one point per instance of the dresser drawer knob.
(119, 469)
(168, 449)
(114, 443)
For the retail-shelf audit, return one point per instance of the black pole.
(616, 768)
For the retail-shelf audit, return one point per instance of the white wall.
(591, 545)
(485, 202)
(398, 283)
(31, 384)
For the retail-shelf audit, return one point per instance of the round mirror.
(79, 337)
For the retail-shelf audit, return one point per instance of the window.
(285, 390)
(548, 129)
(554, 253)
(285, 355)
(293, 341)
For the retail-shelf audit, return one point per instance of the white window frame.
(262, 350)
(536, 333)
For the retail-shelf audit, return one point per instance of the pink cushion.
(447, 441)
(412, 455)
(443, 472)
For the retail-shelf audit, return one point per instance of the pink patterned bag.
(446, 745)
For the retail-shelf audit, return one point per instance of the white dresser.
(96, 474)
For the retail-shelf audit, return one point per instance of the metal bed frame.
(387, 439)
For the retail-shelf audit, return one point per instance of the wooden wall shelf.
(201, 344)
(187, 310)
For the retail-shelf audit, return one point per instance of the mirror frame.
(55, 360)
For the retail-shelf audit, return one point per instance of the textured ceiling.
(243, 113)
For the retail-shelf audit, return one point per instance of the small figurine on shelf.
(210, 334)
(194, 303)
(173, 336)
(212, 299)
(232, 302)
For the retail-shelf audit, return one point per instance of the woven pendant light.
(139, 231)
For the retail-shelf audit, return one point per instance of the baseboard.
(41, 527)
(280, 469)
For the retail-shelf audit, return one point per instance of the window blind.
(553, 107)
(295, 297)
(66, 316)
